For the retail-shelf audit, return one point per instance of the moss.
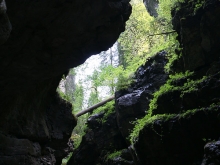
(146, 121)
(191, 112)
(189, 86)
(197, 5)
(172, 57)
(149, 120)
(169, 87)
(107, 109)
(66, 159)
(113, 155)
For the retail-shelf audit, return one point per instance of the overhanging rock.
(48, 37)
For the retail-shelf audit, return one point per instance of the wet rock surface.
(212, 153)
(101, 138)
(47, 38)
(132, 104)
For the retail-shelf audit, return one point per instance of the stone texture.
(178, 140)
(101, 138)
(132, 104)
(199, 34)
(191, 120)
(48, 37)
(188, 133)
(212, 153)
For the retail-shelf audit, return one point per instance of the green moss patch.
(107, 109)
(188, 86)
(149, 120)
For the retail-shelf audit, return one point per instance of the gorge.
(163, 118)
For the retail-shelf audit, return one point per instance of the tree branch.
(162, 33)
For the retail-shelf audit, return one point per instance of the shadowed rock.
(133, 103)
(48, 38)
(5, 25)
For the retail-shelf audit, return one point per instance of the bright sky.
(86, 69)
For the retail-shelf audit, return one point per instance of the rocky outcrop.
(41, 140)
(180, 111)
(48, 37)
(132, 103)
(198, 29)
(106, 139)
(182, 132)
(187, 108)
(102, 137)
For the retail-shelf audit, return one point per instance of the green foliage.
(165, 7)
(78, 98)
(146, 35)
(107, 109)
(93, 98)
(123, 82)
(113, 155)
(147, 120)
(79, 132)
(133, 41)
(63, 95)
(197, 4)
(65, 160)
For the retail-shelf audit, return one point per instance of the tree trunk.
(90, 109)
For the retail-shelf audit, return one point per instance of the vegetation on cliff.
(144, 37)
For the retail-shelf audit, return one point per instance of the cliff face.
(185, 119)
(47, 38)
(181, 121)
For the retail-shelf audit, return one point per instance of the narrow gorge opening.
(148, 31)
(159, 65)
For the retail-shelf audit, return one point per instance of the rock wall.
(102, 136)
(106, 136)
(181, 127)
(47, 38)
(186, 118)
